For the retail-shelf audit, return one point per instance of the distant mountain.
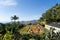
(27, 22)
(23, 22)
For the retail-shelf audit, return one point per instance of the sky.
(25, 9)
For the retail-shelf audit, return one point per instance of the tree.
(15, 32)
(52, 14)
(14, 18)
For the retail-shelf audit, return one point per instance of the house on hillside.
(55, 25)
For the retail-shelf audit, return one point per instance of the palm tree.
(16, 33)
(14, 18)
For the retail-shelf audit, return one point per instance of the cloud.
(8, 2)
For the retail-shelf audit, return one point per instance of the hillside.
(52, 14)
(24, 30)
(28, 29)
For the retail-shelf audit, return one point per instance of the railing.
(56, 28)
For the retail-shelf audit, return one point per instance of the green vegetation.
(25, 30)
(52, 14)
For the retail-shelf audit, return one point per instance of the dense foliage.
(52, 14)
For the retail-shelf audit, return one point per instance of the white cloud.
(8, 2)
